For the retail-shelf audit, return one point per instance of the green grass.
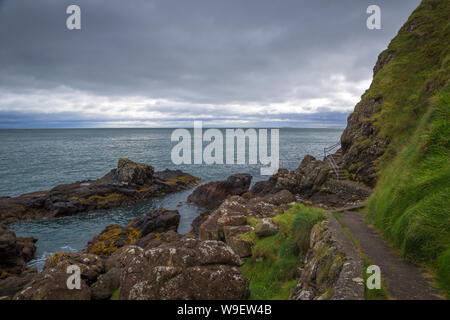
(115, 295)
(411, 201)
(369, 294)
(273, 265)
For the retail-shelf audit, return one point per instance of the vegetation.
(411, 202)
(372, 294)
(274, 262)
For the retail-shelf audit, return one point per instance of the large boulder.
(186, 269)
(51, 284)
(129, 172)
(15, 252)
(212, 194)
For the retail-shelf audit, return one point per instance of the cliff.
(397, 139)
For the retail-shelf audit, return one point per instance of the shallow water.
(32, 160)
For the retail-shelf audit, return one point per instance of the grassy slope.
(411, 201)
(273, 265)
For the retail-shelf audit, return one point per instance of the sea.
(39, 159)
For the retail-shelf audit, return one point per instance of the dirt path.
(402, 279)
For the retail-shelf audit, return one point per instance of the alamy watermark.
(235, 147)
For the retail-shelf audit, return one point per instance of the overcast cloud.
(165, 63)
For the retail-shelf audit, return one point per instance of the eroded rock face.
(212, 194)
(128, 184)
(15, 252)
(186, 269)
(361, 146)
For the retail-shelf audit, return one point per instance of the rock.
(265, 228)
(212, 194)
(186, 269)
(123, 257)
(111, 239)
(155, 239)
(330, 265)
(243, 247)
(159, 220)
(129, 172)
(51, 284)
(14, 283)
(262, 188)
(126, 185)
(91, 266)
(197, 222)
(106, 284)
(15, 252)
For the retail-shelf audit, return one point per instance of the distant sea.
(39, 159)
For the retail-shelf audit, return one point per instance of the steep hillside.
(398, 139)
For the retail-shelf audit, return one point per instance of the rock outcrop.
(333, 267)
(178, 268)
(235, 219)
(313, 181)
(186, 269)
(15, 252)
(212, 194)
(142, 229)
(128, 184)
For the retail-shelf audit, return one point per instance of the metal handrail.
(333, 165)
(329, 158)
(328, 149)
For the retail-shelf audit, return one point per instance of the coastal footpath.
(300, 234)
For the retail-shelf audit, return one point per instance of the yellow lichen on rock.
(112, 238)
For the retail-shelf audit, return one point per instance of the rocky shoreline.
(148, 258)
(128, 184)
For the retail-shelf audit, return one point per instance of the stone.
(185, 269)
(159, 220)
(265, 228)
(106, 284)
(15, 252)
(212, 194)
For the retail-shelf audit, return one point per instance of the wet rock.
(212, 194)
(186, 269)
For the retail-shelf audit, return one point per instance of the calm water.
(32, 160)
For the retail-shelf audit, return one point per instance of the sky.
(165, 63)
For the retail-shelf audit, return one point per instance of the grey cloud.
(193, 52)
